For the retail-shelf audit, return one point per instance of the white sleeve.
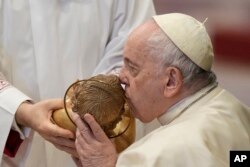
(10, 99)
(128, 15)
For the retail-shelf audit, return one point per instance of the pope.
(167, 76)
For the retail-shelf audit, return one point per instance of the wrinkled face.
(143, 79)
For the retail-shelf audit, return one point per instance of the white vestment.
(48, 44)
(199, 131)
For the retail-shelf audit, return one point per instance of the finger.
(64, 142)
(82, 127)
(60, 141)
(77, 161)
(80, 141)
(81, 147)
(97, 131)
(54, 104)
(54, 130)
(84, 150)
(68, 150)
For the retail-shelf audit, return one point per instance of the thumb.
(54, 104)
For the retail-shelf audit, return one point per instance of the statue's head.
(102, 96)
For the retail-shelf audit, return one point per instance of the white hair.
(194, 77)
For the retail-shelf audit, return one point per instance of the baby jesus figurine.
(103, 97)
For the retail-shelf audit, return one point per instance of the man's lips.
(126, 95)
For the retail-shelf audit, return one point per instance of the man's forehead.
(137, 43)
(143, 31)
(139, 57)
(136, 49)
(133, 55)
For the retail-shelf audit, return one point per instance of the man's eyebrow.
(130, 62)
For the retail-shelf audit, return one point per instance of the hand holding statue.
(95, 148)
(103, 97)
(37, 116)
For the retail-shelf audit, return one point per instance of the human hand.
(37, 116)
(93, 146)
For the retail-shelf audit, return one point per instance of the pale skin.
(95, 148)
(143, 76)
(37, 116)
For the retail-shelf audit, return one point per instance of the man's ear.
(173, 82)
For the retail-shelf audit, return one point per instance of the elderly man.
(167, 73)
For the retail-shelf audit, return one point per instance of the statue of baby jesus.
(103, 97)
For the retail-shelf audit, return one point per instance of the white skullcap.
(190, 36)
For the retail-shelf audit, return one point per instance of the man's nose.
(123, 77)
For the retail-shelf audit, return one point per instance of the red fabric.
(13, 143)
(232, 44)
